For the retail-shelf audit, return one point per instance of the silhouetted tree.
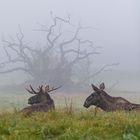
(54, 62)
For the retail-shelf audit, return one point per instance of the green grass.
(70, 121)
(70, 124)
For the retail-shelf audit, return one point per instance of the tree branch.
(13, 70)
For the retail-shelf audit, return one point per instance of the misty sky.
(117, 24)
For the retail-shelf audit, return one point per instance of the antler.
(40, 88)
(47, 88)
(32, 91)
(54, 88)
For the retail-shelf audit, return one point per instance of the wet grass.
(69, 124)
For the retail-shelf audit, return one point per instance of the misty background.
(114, 28)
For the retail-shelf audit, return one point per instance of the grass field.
(69, 124)
(70, 121)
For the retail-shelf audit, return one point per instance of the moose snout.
(86, 104)
(30, 102)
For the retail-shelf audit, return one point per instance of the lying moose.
(41, 101)
(101, 99)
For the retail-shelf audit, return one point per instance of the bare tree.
(54, 62)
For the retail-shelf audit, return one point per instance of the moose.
(41, 101)
(101, 99)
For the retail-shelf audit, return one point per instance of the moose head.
(41, 96)
(95, 98)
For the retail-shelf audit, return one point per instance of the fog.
(115, 28)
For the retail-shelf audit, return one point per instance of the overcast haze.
(116, 23)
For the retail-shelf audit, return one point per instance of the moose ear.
(95, 88)
(102, 86)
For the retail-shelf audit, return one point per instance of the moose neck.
(104, 105)
(106, 101)
(107, 98)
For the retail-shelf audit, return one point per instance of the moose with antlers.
(101, 99)
(41, 101)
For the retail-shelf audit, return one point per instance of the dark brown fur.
(41, 102)
(108, 103)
